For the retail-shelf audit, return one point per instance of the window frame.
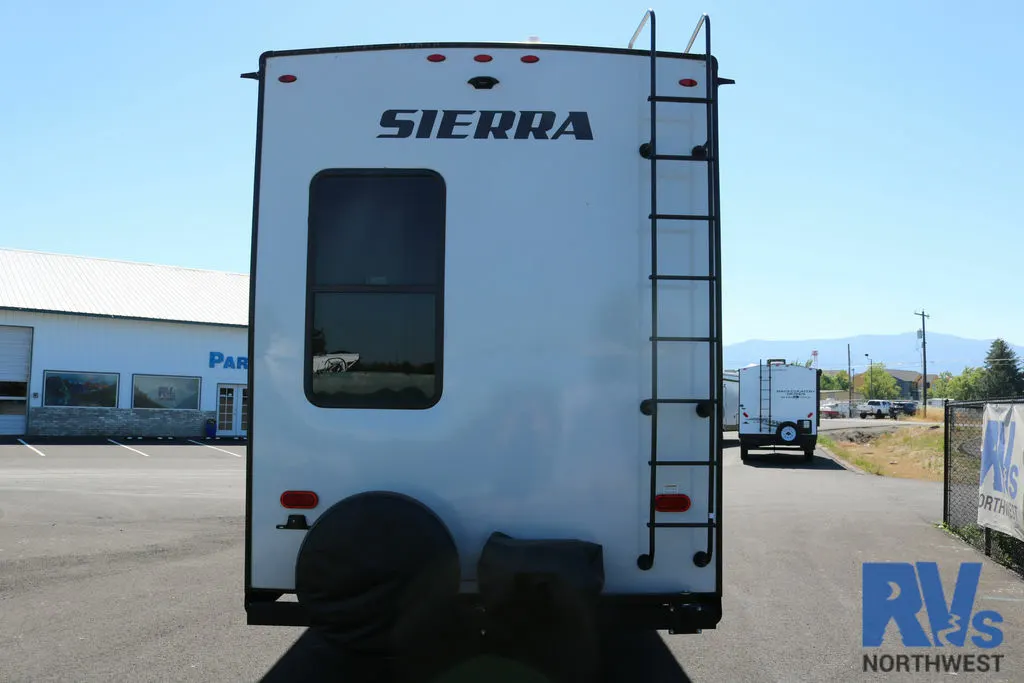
(436, 290)
(117, 389)
(199, 390)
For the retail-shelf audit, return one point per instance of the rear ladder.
(709, 407)
(764, 413)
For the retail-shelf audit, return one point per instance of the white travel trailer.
(731, 400)
(779, 407)
(512, 249)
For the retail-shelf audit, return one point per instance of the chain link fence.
(964, 429)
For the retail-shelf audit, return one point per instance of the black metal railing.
(964, 425)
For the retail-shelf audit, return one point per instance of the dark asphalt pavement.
(120, 564)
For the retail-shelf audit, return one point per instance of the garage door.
(15, 355)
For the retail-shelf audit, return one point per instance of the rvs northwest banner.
(1002, 460)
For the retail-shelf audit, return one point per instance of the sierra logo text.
(481, 125)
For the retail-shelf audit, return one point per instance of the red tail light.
(287, 78)
(299, 500)
(483, 58)
(529, 59)
(687, 82)
(672, 502)
(436, 58)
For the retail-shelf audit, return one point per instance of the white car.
(877, 407)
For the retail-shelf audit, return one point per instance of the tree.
(939, 387)
(1003, 376)
(837, 382)
(880, 384)
(967, 386)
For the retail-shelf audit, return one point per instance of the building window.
(13, 397)
(165, 391)
(80, 389)
(375, 304)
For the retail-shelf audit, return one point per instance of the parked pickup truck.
(877, 407)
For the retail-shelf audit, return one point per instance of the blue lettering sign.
(891, 592)
(996, 455)
(231, 362)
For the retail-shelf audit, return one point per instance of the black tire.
(371, 565)
(809, 453)
(788, 433)
(744, 453)
(863, 416)
(879, 416)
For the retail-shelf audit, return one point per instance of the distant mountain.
(946, 352)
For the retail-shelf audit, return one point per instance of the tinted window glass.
(375, 307)
(374, 349)
(13, 389)
(376, 230)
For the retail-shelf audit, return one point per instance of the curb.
(839, 461)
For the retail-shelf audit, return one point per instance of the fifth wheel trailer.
(513, 248)
(779, 407)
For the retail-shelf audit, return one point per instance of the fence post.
(946, 417)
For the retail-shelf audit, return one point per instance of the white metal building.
(96, 347)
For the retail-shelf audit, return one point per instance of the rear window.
(375, 289)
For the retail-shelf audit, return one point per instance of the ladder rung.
(695, 278)
(682, 463)
(681, 525)
(680, 157)
(680, 217)
(682, 100)
(682, 339)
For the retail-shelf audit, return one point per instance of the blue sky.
(871, 152)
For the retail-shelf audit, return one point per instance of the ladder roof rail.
(703, 19)
(649, 14)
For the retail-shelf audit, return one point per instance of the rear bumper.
(803, 441)
(677, 614)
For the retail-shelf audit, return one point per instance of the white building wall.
(91, 344)
(87, 344)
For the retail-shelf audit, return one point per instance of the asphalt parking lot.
(124, 562)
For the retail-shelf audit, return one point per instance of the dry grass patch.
(908, 452)
(935, 416)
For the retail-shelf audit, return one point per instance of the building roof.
(59, 283)
(905, 375)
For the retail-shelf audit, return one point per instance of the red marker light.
(810, 414)
(529, 59)
(287, 78)
(745, 415)
(299, 500)
(687, 82)
(672, 502)
(436, 58)
(483, 58)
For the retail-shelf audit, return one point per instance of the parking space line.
(128, 447)
(31, 447)
(200, 443)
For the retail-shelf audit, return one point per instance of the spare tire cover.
(369, 558)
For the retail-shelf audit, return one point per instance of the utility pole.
(849, 376)
(924, 362)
